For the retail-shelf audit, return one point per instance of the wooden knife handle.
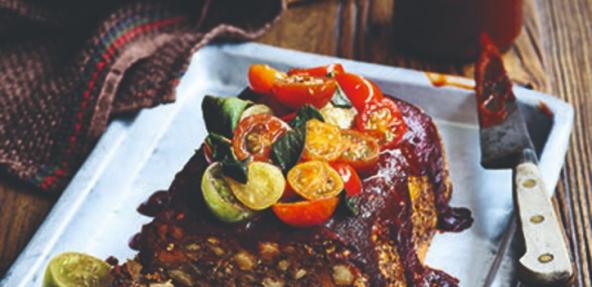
(547, 260)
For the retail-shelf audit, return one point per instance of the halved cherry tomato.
(384, 120)
(255, 135)
(264, 187)
(321, 71)
(297, 90)
(358, 89)
(289, 117)
(289, 194)
(322, 141)
(208, 154)
(360, 150)
(351, 181)
(306, 213)
(315, 180)
(262, 77)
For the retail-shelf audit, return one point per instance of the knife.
(505, 143)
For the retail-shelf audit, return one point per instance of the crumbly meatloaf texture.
(383, 245)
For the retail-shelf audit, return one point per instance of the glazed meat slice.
(382, 244)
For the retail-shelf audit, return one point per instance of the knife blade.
(505, 143)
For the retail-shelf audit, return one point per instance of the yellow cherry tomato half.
(315, 180)
(323, 141)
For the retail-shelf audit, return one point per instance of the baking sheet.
(136, 156)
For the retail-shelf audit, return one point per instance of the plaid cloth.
(68, 66)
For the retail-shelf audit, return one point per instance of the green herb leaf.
(286, 151)
(222, 152)
(352, 204)
(249, 95)
(221, 115)
(221, 147)
(340, 100)
(305, 114)
(236, 169)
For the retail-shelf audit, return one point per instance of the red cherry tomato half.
(306, 213)
(208, 154)
(358, 89)
(351, 181)
(383, 120)
(255, 134)
(262, 77)
(322, 71)
(297, 90)
(289, 117)
(289, 194)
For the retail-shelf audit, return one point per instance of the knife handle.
(546, 261)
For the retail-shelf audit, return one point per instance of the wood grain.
(553, 54)
(567, 27)
(22, 209)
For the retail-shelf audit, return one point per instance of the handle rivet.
(546, 258)
(536, 219)
(529, 183)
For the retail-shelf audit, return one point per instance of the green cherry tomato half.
(76, 269)
(219, 198)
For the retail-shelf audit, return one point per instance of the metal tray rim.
(28, 264)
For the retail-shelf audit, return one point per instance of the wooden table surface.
(553, 55)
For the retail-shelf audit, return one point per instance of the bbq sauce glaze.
(384, 209)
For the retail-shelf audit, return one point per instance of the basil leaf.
(221, 147)
(340, 99)
(352, 204)
(222, 152)
(221, 115)
(235, 169)
(249, 95)
(286, 151)
(305, 114)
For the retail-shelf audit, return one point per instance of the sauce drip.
(441, 80)
(155, 203)
(494, 88)
(545, 109)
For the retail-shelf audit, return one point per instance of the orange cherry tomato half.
(315, 180)
(351, 180)
(384, 120)
(262, 77)
(322, 141)
(361, 151)
(358, 89)
(297, 90)
(255, 134)
(321, 71)
(306, 213)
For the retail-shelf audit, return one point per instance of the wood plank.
(567, 27)
(309, 27)
(21, 211)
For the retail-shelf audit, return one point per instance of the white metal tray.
(136, 156)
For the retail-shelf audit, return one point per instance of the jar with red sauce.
(450, 29)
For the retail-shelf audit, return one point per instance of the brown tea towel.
(68, 66)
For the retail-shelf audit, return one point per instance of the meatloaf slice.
(382, 244)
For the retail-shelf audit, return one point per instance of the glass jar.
(450, 29)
